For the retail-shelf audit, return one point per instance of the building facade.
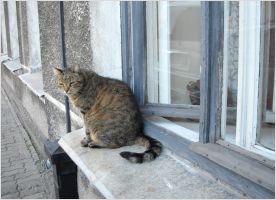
(203, 74)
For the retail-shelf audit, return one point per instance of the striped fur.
(153, 149)
(111, 115)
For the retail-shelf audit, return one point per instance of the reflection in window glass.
(173, 52)
(231, 61)
(266, 132)
(173, 55)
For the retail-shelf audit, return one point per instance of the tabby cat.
(111, 115)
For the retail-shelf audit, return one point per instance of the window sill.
(4, 58)
(34, 82)
(168, 127)
(195, 152)
(166, 177)
(12, 65)
(239, 162)
(263, 159)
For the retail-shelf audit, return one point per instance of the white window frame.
(248, 78)
(158, 59)
(164, 56)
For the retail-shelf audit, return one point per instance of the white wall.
(106, 38)
(3, 30)
(33, 36)
(13, 32)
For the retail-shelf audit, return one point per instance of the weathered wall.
(78, 51)
(6, 21)
(22, 26)
(29, 107)
(49, 29)
(11, 29)
(93, 41)
(77, 34)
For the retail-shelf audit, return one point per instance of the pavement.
(22, 172)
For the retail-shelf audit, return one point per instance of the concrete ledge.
(34, 82)
(166, 177)
(4, 58)
(13, 65)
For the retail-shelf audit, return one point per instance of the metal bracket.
(65, 171)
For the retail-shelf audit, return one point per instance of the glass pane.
(173, 52)
(266, 132)
(231, 58)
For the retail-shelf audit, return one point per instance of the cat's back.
(108, 93)
(116, 93)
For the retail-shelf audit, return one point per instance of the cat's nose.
(66, 90)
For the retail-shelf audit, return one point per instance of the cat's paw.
(84, 142)
(90, 144)
(93, 145)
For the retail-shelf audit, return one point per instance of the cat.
(111, 115)
(193, 88)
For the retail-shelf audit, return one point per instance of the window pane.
(173, 52)
(231, 58)
(266, 132)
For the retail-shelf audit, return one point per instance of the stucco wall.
(22, 32)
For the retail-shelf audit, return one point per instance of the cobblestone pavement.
(22, 175)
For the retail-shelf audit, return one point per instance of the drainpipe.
(64, 65)
(64, 169)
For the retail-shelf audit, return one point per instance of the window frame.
(133, 21)
(133, 40)
(249, 97)
(134, 60)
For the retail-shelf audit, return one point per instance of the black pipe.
(64, 65)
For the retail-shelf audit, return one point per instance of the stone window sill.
(259, 171)
(166, 177)
(12, 65)
(33, 81)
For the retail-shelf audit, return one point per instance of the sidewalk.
(22, 175)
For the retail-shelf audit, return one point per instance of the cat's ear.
(76, 68)
(58, 71)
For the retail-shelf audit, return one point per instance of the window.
(162, 59)
(228, 47)
(248, 103)
(173, 58)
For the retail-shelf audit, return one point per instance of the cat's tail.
(153, 147)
